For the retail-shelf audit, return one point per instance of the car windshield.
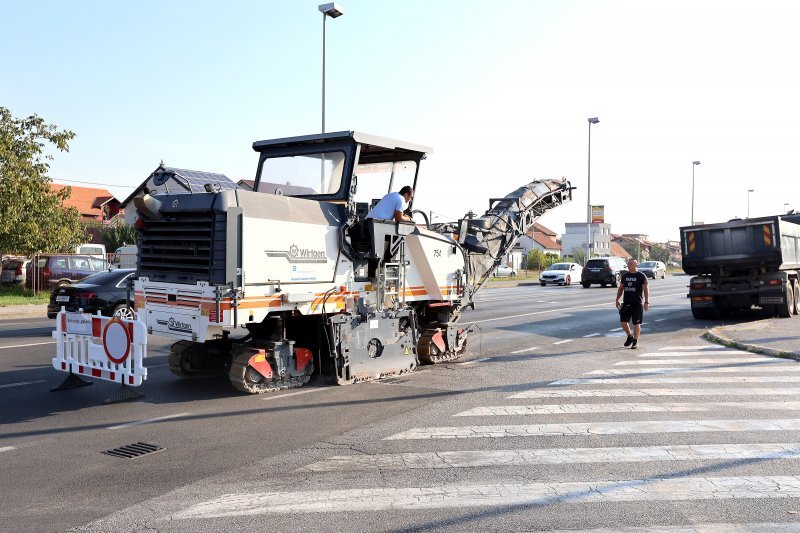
(597, 263)
(559, 266)
(648, 264)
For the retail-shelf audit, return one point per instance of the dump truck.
(292, 279)
(743, 263)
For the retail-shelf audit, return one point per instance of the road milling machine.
(272, 285)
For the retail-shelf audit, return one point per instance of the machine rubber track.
(430, 354)
(250, 381)
(179, 355)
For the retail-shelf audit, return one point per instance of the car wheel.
(543, 283)
(585, 285)
(615, 281)
(123, 311)
(567, 281)
(63, 283)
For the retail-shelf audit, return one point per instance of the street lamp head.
(695, 162)
(750, 190)
(594, 120)
(332, 10)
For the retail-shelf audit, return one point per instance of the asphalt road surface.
(546, 424)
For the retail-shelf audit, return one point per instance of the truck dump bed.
(769, 243)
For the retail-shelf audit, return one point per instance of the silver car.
(653, 269)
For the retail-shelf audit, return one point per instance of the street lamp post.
(332, 10)
(593, 120)
(694, 164)
(748, 202)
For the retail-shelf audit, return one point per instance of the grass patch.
(21, 296)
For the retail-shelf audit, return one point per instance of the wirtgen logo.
(295, 254)
(175, 325)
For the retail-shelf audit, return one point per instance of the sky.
(500, 90)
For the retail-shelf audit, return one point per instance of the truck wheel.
(786, 309)
(585, 285)
(768, 311)
(699, 313)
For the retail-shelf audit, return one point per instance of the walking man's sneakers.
(633, 344)
(629, 340)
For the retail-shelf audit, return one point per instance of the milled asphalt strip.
(21, 383)
(149, 421)
(554, 456)
(26, 345)
(596, 408)
(371, 499)
(644, 393)
(7, 448)
(550, 311)
(596, 428)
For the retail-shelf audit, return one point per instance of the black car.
(603, 271)
(104, 292)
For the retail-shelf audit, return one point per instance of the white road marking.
(592, 335)
(659, 320)
(595, 408)
(760, 527)
(553, 456)
(563, 309)
(614, 393)
(691, 369)
(26, 345)
(674, 381)
(21, 383)
(710, 347)
(704, 353)
(481, 360)
(596, 428)
(526, 349)
(307, 391)
(460, 495)
(7, 448)
(718, 361)
(615, 329)
(564, 341)
(148, 421)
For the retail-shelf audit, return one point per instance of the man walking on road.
(635, 301)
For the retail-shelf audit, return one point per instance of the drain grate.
(131, 451)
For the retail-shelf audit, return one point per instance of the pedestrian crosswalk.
(686, 435)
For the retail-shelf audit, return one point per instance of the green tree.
(33, 216)
(579, 255)
(657, 253)
(116, 235)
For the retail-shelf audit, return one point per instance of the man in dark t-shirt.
(635, 301)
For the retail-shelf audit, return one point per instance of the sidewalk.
(778, 337)
(23, 311)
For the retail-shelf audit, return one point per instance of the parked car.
(561, 274)
(105, 292)
(13, 270)
(62, 269)
(603, 271)
(653, 269)
(504, 271)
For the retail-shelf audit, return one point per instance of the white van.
(125, 256)
(95, 250)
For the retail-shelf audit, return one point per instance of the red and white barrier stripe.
(108, 348)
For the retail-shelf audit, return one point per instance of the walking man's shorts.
(631, 313)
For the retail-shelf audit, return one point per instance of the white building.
(575, 237)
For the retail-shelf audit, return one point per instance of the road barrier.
(101, 347)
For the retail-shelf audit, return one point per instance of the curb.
(23, 311)
(715, 335)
